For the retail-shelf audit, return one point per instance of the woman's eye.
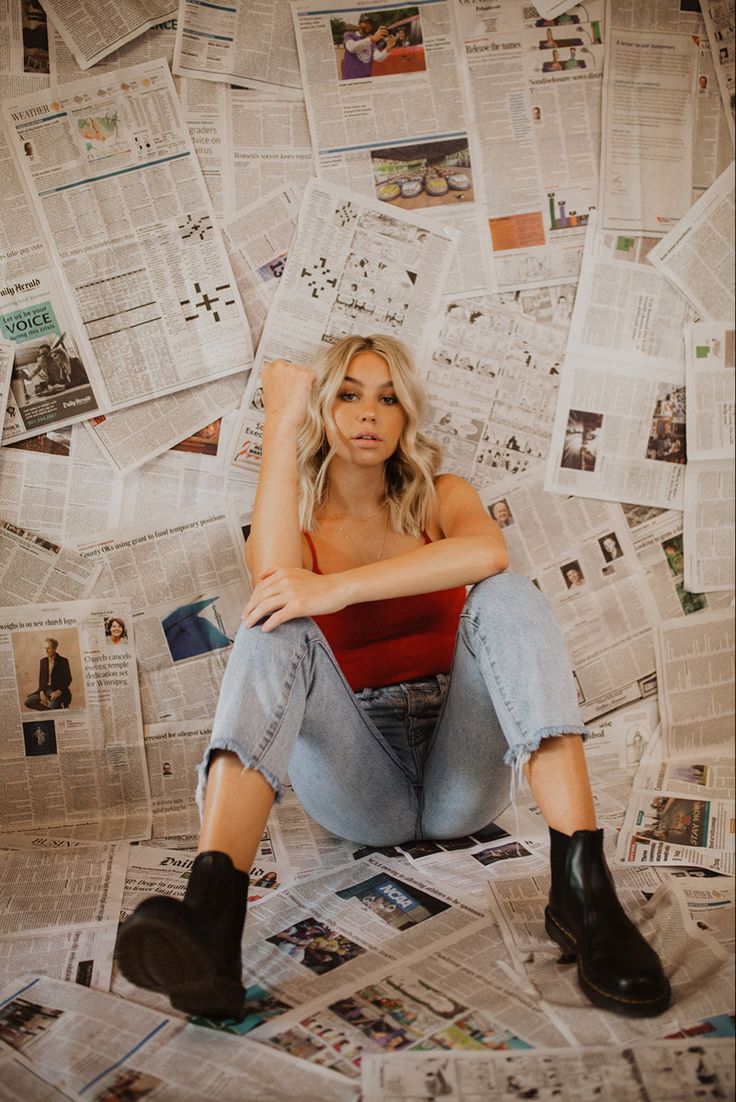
(390, 399)
(347, 395)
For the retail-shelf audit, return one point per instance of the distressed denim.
(433, 758)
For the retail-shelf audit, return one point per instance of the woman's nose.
(367, 413)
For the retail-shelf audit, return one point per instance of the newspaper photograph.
(648, 118)
(118, 190)
(236, 44)
(71, 734)
(665, 828)
(534, 89)
(90, 40)
(579, 554)
(608, 1074)
(25, 39)
(57, 484)
(187, 583)
(697, 255)
(695, 672)
(378, 271)
(492, 382)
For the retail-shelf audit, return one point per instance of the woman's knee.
(511, 599)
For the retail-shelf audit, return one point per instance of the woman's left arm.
(472, 548)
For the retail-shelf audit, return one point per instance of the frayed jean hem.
(247, 761)
(519, 754)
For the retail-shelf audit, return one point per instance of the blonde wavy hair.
(409, 472)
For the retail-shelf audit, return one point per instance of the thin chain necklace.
(341, 528)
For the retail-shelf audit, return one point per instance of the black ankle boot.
(617, 969)
(190, 950)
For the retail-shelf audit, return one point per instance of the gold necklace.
(358, 552)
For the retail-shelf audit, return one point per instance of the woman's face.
(116, 630)
(367, 413)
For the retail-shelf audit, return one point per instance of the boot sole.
(629, 1008)
(157, 950)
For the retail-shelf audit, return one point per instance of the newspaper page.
(237, 44)
(92, 1044)
(695, 670)
(681, 812)
(719, 24)
(709, 524)
(388, 121)
(257, 239)
(648, 119)
(534, 89)
(659, 544)
(492, 382)
(72, 737)
(270, 146)
(118, 189)
(713, 148)
(57, 484)
(157, 41)
(173, 751)
(619, 429)
(579, 554)
(710, 365)
(37, 570)
(205, 107)
(131, 437)
(637, 1074)
(697, 255)
(187, 583)
(7, 359)
(24, 41)
(378, 271)
(91, 38)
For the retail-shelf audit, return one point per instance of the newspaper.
(24, 41)
(681, 812)
(257, 239)
(57, 484)
(711, 392)
(238, 45)
(377, 271)
(492, 382)
(619, 429)
(607, 1074)
(648, 117)
(709, 523)
(35, 569)
(697, 255)
(580, 555)
(534, 89)
(92, 1044)
(117, 188)
(173, 751)
(157, 41)
(187, 583)
(387, 119)
(719, 24)
(71, 732)
(130, 437)
(91, 39)
(270, 146)
(696, 682)
(7, 358)
(713, 148)
(659, 544)
(205, 107)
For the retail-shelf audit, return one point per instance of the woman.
(360, 555)
(115, 630)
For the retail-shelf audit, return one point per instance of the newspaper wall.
(91, 39)
(535, 95)
(71, 734)
(580, 555)
(388, 120)
(237, 45)
(650, 66)
(379, 271)
(187, 583)
(117, 188)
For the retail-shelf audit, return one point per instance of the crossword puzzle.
(345, 214)
(319, 277)
(198, 229)
(208, 301)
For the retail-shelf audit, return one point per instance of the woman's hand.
(286, 391)
(290, 592)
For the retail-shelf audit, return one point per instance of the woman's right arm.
(275, 537)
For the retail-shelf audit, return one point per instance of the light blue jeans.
(433, 758)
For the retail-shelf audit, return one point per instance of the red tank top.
(397, 639)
